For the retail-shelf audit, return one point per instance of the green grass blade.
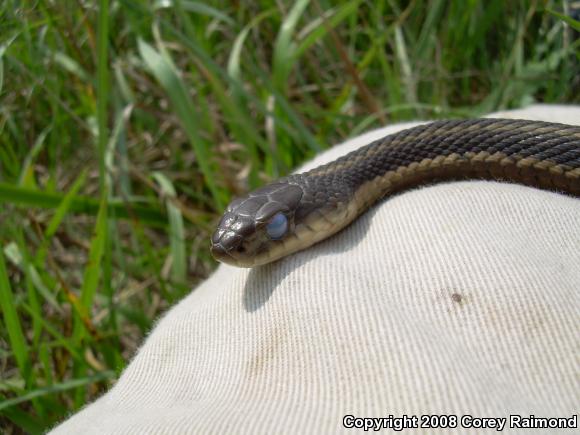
(26, 178)
(31, 292)
(65, 205)
(16, 257)
(59, 215)
(198, 8)
(123, 84)
(569, 20)
(117, 160)
(165, 72)
(57, 388)
(242, 126)
(71, 66)
(319, 28)
(37, 198)
(3, 48)
(12, 320)
(53, 331)
(176, 232)
(23, 420)
(233, 66)
(407, 74)
(285, 47)
(428, 35)
(102, 88)
(92, 270)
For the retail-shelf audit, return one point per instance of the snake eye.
(277, 227)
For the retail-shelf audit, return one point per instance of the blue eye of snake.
(277, 227)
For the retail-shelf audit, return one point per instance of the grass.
(126, 126)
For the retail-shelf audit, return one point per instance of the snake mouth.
(221, 254)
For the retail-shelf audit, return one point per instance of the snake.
(295, 212)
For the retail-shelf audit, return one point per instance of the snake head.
(254, 228)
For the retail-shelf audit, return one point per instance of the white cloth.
(454, 299)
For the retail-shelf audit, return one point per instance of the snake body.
(297, 211)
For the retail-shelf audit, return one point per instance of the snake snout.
(233, 254)
(219, 252)
(227, 240)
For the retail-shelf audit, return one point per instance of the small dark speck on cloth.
(457, 297)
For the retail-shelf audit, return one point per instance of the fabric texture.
(453, 299)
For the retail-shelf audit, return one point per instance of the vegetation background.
(126, 126)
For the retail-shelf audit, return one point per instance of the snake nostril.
(241, 249)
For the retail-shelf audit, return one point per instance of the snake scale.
(294, 212)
